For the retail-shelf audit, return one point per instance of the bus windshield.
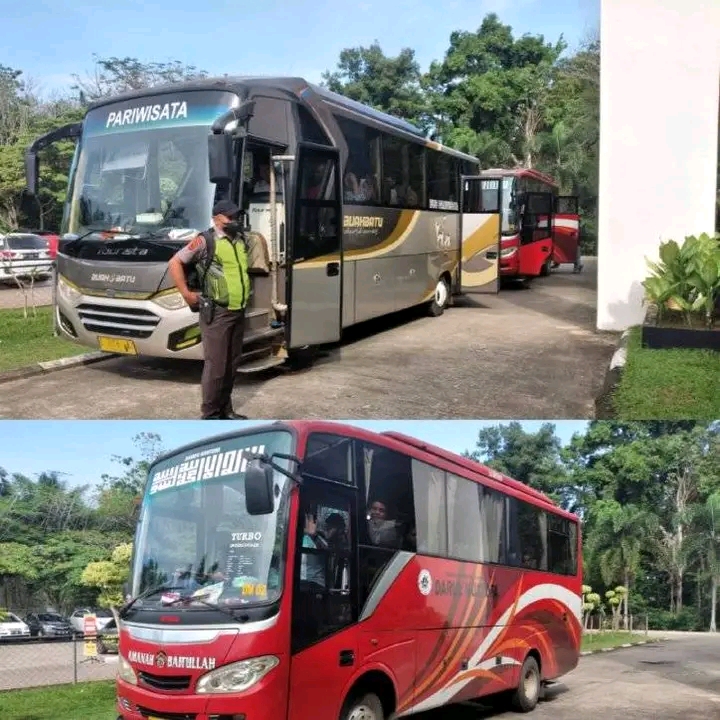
(142, 164)
(142, 180)
(195, 536)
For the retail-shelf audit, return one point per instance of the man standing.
(221, 260)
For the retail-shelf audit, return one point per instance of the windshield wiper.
(214, 606)
(146, 594)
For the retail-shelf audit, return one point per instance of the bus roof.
(520, 172)
(292, 87)
(411, 444)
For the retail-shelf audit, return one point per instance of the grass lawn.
(597, 641)
(86, 701)
(667, 384)
(24, 342)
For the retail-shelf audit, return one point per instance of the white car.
(24, 255)
(77, 619)
(12, 627)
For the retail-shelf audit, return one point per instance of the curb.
(604, 409)
(619, 647)
(43, 368)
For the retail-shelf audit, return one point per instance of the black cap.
(227, 208)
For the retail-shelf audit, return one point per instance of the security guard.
(225, 293)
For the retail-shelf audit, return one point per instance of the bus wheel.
(367, 707)
(440, 299)
(545, 269)
(527, 694)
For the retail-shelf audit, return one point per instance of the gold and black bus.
(350, 214)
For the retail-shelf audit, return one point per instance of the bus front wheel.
(441, 298)
(527, 694)
(367, 707)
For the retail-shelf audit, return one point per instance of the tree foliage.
(508, 100)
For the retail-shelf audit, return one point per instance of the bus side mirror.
(259, 498)
(221, 158)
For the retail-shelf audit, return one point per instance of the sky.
(50, 41)
(83, 449)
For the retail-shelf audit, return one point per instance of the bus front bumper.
(164, 328)
(265, 701)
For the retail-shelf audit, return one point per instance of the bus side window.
(527, 541)
(323, 599)
(362, 167)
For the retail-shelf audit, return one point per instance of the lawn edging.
(620, 646)
(43, 368)
(604, 408)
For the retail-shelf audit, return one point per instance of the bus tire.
(545, 269)
(527, 693)
(441, 298)
(363, 707)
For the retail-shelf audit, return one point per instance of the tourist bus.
(310, 569)
(531, 246)
(351, 214)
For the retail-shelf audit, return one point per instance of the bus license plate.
(117, 345)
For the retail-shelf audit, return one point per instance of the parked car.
(49, 625)
(53, 240)
(24, 255)
(12, 627)
(107, 639)
(77, 619)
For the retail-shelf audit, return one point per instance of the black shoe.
(232, 415)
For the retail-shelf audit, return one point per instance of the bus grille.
(118, 320)
(166, 682)
(146, 712)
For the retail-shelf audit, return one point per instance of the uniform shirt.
(195, 252)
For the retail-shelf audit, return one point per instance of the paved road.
(13, 297)
(525, 353)
(30, 664)
(678, 679)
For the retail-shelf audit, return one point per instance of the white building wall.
(659, 87)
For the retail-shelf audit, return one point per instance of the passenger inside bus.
(355, 190)
(330, 541)
(381, 529)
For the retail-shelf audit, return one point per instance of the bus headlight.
(508, 252)
(68, 291)
(237, 677)
(170, 300)
(125, 671)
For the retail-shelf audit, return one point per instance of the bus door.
(536, 241)
(314, 280)
(324, 603)
(566, 230)
(480, 199)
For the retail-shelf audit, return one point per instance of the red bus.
(529, 247)
(316, 570)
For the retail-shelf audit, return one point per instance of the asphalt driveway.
(523, 354)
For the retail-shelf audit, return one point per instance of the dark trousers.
(222, 343)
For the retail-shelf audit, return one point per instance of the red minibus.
(530, 246)
(316, 570)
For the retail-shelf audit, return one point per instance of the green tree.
(109, 576)
(531, 458)
(390, 84)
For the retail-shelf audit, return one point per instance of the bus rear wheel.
(366, 707)
(441, 298)
(527, 694)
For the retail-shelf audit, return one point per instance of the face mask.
(233, 228)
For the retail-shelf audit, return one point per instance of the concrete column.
(659, 89)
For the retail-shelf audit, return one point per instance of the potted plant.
(682, 291)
